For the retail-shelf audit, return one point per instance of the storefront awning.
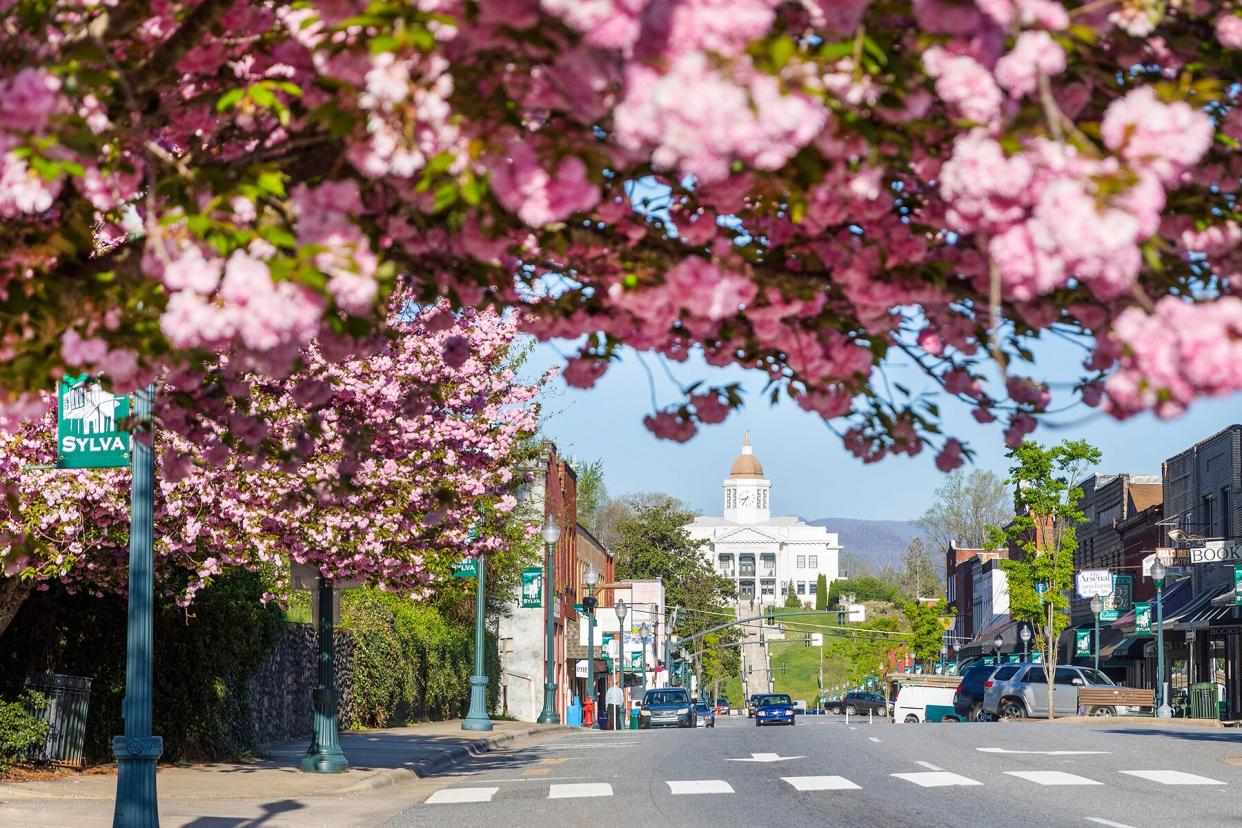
(1176, 597)
(1194, 614)
(1220, 608)
(985, 642)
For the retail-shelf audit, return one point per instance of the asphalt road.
(824, 772)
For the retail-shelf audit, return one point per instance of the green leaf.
(229, 99)
(836, 51)
(272, 182)
(263, 96)
(384, 43)
(781, 50)
(872, 48)
(446, 196)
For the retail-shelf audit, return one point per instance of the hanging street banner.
(469, 568)
(1237, 585)
(1217, 550)
(1120, 602)
(1093, 582)
(1082, 643)
(1142, 618)
(532, 588)
(87, 434)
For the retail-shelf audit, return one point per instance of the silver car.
(1025, 692)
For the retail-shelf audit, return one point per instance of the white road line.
(940, 779)
(1108, 822)
(1172, 777)
(450, 796)
(928, 765)
(872, 738)
(700, 786)
(544, 778)
(820, 783)
(1044, 752)
(1052, 778)
(580, 790)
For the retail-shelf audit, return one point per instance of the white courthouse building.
(765, 556)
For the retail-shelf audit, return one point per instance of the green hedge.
(20, 728)
(410, 663)
(204, 657)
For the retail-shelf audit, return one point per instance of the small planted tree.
(821, 592)
(1046, 498)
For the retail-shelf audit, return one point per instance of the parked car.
(773, 708)
(666, 707)
(913, 701)
(750, 705)
(704, 714)
(968, 698)
(859, 703)
(722, 706)
(1025, 693)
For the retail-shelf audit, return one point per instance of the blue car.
(774, 708)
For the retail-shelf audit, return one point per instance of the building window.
(730, 498)
(802, 562)
(769, 565)
(767, 588)
(763, 498)
(784, 588)
(1208, 522)
(814, 586)
(813, 562)
(746, 564)
(1225, 529)
(802, 587)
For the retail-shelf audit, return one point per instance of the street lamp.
(1025, 634)
(620, 609)
(1097, 606)
(643, 632)
(591, 577)
(476, 717)
(944, 656)
(997, 643)
(1158, 571)
(551, 534)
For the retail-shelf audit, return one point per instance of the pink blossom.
(1035, 54)
(1229, 30)
(964, 84)
(1020, 425)
(950, 457)
(668, 425)
(929, 340)
(76, 351)
(709, 408)
(21, 189)
(192, 271)
(584, 372)
(29, 98)
(537, 197)
(456, 351)
(1025, 391)
(1165, 138)
(612, 24)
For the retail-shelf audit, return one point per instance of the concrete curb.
(391, 777)
(1128, 721)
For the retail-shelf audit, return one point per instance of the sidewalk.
(272, 792)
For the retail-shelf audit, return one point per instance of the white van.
(914, 699)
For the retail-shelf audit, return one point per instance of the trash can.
(634, 719)
(1203, 701)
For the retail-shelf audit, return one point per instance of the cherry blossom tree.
(813, 189)
(404, 465)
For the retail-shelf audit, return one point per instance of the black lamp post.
(551, 534)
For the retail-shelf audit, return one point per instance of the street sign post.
(88, 432)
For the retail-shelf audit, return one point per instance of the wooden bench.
(1097, 699)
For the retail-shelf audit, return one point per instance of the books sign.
(1093, 582)
(1214, 551)
(87, 431)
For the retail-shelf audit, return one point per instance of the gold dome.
(746, 464)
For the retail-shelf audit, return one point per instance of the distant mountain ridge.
(876, 543)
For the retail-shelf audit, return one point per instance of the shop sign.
(1237, 585)
(1142, 618)
(1118, 604)
(1094, 582)
(532, 588)
(1215, 551)
(1082, 643)
(469, 568)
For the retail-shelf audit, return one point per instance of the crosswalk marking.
(820, 783)
(1172, 777)
(451, 796)
(1052, 778)
(579, 790)
(936, 779)
(700, 786)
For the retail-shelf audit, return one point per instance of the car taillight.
(961, 688)
(987, 684)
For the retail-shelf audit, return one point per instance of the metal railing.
(69, 702)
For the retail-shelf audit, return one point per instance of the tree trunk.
(1050, 664)
(13, 592)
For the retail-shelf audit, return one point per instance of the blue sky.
(812, 475)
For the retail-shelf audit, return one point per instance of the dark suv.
(859, 703)
(968, 699)
(666, 707)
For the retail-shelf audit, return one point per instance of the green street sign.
(1142, 618)
(469, 568)
(1237, 585)
(87, 434)
(1082, 643)
(532, 588)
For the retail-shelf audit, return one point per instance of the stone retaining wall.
(281, 701)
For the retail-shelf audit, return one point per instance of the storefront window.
(1216, 660)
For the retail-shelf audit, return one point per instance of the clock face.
(745, 500)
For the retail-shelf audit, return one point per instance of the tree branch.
(151, 73)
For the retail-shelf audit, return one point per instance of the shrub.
(20, 727)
